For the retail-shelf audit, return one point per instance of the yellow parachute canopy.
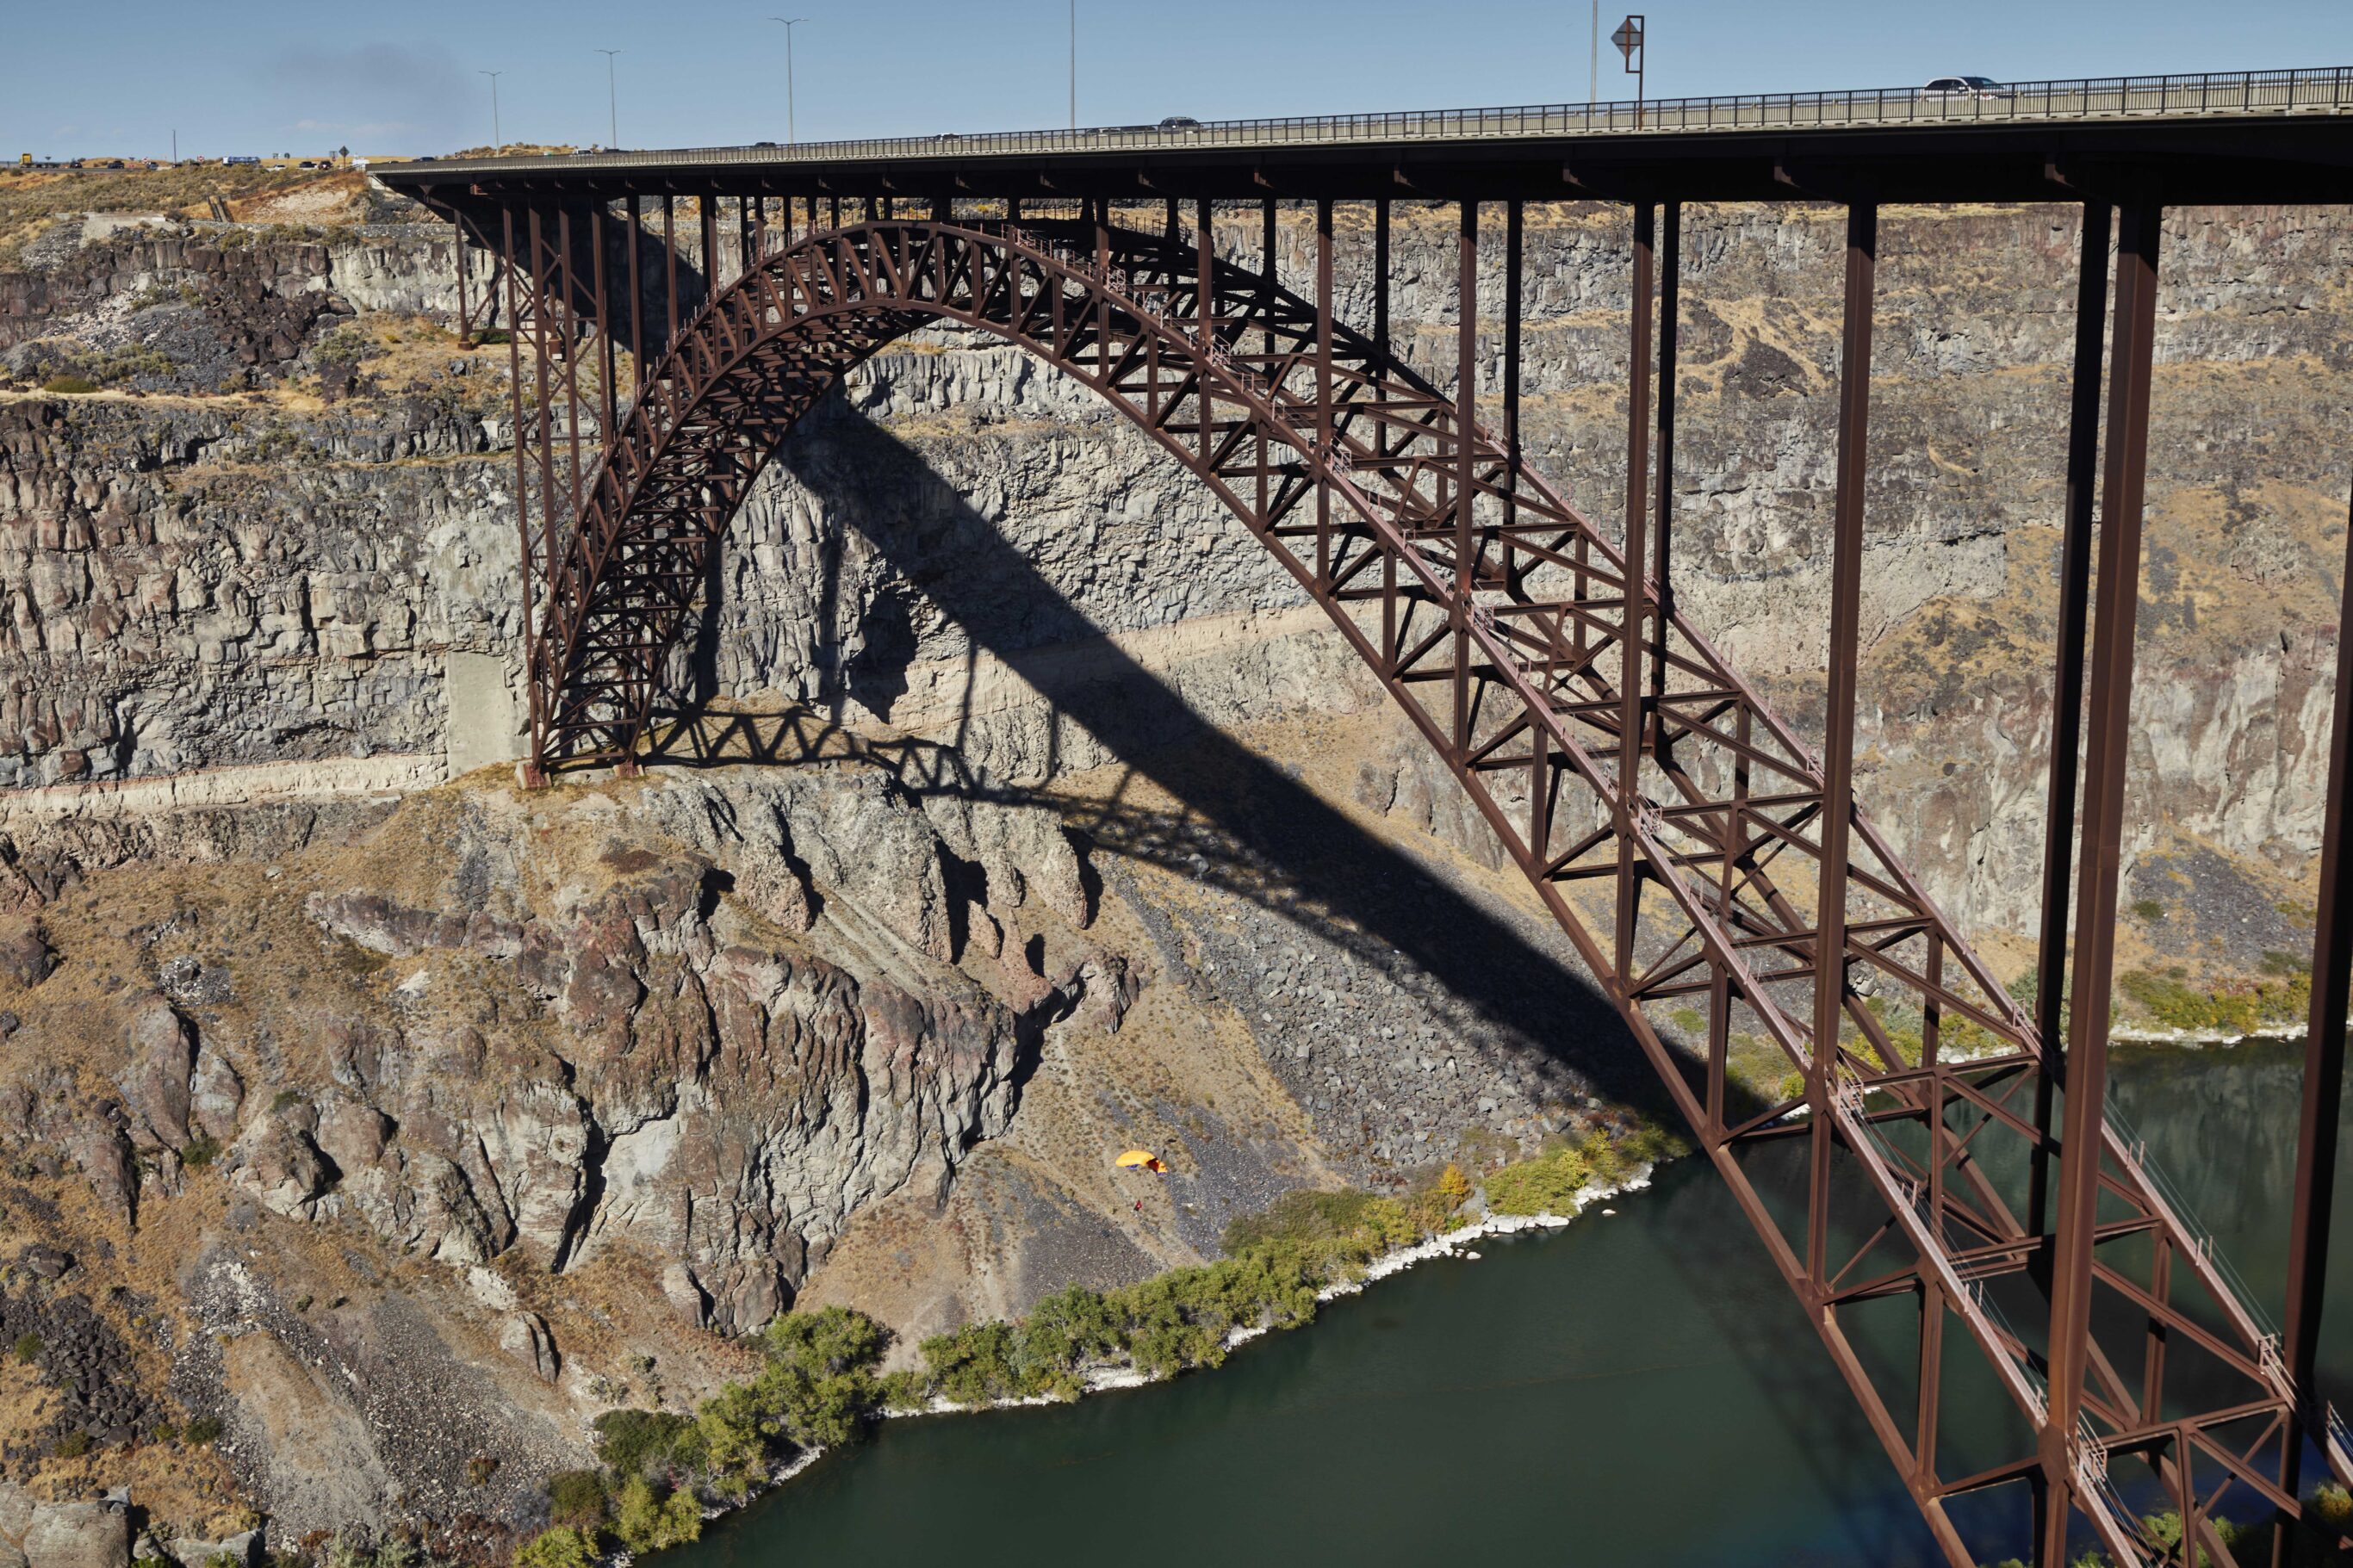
(1140, 1159)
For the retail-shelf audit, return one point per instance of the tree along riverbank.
(820, 1384)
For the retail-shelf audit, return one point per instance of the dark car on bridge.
(1963, 87)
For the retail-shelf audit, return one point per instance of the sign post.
(1629, 40)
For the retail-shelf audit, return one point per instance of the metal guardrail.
(2326, 90)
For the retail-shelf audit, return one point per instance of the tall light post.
(792, 133)
(497, 140)
(1593, 75)
(612, 101)
(1074, 64)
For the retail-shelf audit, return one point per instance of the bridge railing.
(2325, 90)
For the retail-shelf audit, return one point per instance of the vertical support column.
(1635, 599)
(570, 327)
(1719, 979)
(1514, 241)
(545, 563)
(670, 269)
(465, 316)
(1324, 387)
(1205, 328)
(1266, 341)
(532, 772)
(2067, 681)
(1838, 726)
(2324, 1063)
(637, 232)
(1103, 296)
(1671, 296)
(1267, 237)
(2115, 610)
(604, 362)
(1466, 408)
(707, 204)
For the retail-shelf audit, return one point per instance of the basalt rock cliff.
(399, 1121)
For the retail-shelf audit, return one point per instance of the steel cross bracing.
(1693, 848)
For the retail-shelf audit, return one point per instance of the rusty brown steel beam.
(2317, 1127)
(2067, 680)
(1638, 598)
(670, 269)
(1838, 724)
(1466, 395)
(530, 771)
(2109, 743)
(1323, 385)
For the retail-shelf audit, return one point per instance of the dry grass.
(30, 201)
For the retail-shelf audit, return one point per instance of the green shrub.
(733, 1435)
(28, 1348)
(2147, 909)
(2332, 1505)
(647, 1520)
(204, 1429)
(906, 1390)
(1792, 1087)
(576, 1498)
(1547, 1184)
(1066, 1330)
(820, 1380)
(2239, 1007)
(560, 1547)
(72, 1446)
(974, 1364)
(202, 1151)
(69, 385)
(636, 1442)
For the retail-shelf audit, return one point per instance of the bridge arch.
(1601, 736)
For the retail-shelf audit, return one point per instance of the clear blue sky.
(268, 76)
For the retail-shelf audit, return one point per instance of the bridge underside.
(1975, 1224)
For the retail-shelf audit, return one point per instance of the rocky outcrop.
(71, 1535)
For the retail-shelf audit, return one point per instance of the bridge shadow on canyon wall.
(1244, 824)
(1241, 822)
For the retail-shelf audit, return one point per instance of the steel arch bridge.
(2015, 1236)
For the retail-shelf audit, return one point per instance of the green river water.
(1639, 1389)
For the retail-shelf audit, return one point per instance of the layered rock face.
(410, 1122)
(197, 586)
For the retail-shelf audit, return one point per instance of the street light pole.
(612, 101)
(1593, 75)
(497, 142)
(1074, 64)
(792, 133)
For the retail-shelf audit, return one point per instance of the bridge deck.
(2269, 136)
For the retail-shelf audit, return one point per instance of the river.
(1639, 1389)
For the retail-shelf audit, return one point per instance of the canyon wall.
(340, 1078)
(206, 580)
